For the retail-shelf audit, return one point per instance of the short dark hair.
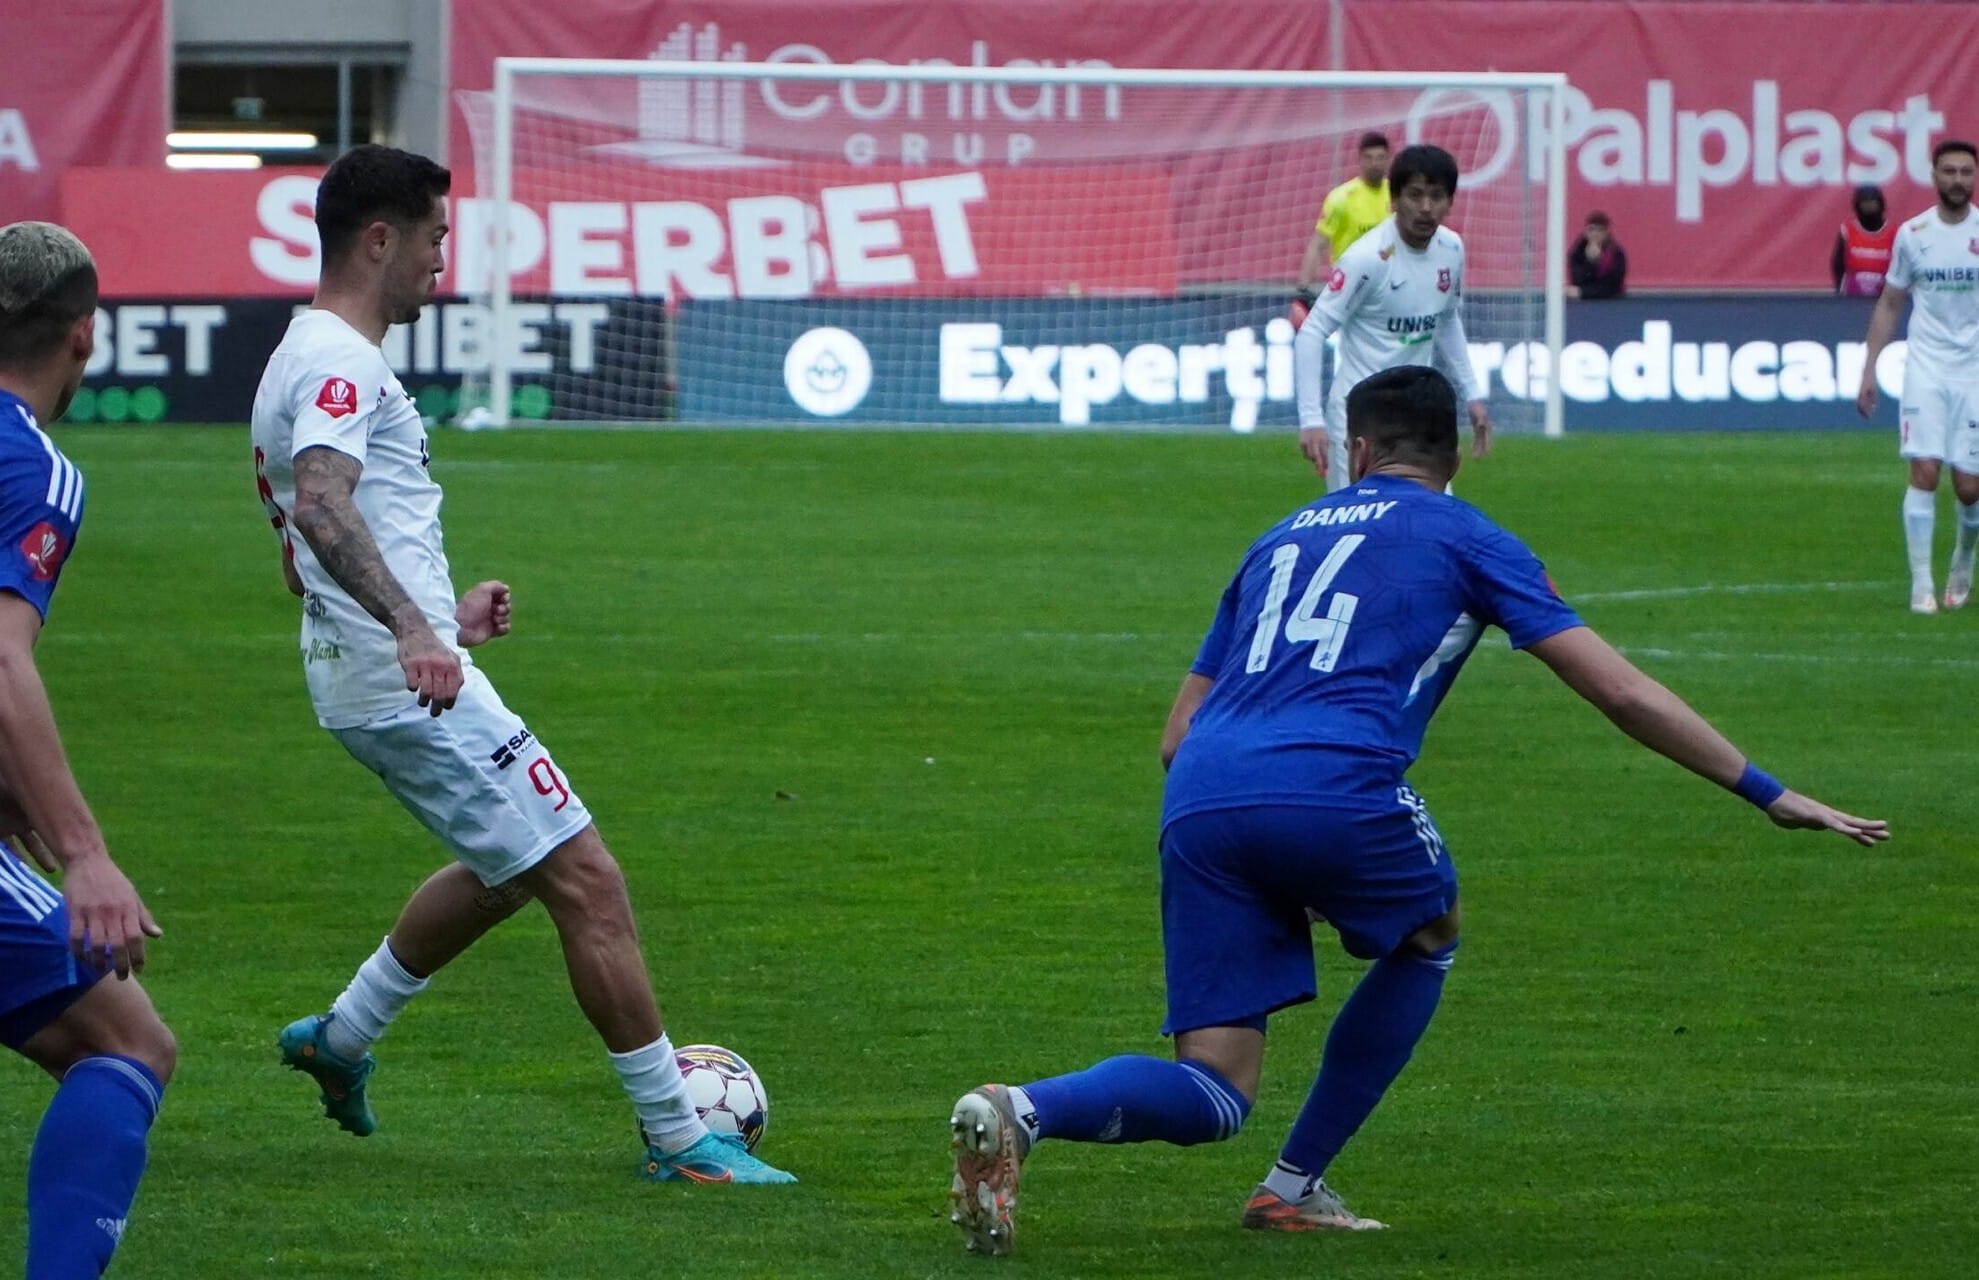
(1373, 138)
(1409, 414)
(371, 182)
(1432, 164)
(1950, 146)
(47, 284)
(1597, 219)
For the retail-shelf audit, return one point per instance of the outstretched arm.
(327, 517)
(1665, 723)
(108, 922)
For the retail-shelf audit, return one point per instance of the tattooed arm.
(326, 516)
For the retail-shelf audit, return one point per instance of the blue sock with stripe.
(1372, 1038)
(1135, 1098)
(84, 1170)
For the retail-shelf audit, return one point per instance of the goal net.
(698, 240)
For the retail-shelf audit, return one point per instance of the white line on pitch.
(1733, 589)
(1815, 659)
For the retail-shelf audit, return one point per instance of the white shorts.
(1940, 420)
(475, 777)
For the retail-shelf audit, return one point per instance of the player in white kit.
(341, 463)
(1935, 262)
(1395, 298)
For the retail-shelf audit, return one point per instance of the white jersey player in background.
(1936, 263)
(341, 462)
(1395, 298)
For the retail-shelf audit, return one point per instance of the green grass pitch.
(871, 721)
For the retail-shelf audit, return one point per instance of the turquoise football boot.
(342, 1081)
(718, 1157)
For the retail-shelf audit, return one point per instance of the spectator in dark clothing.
(1596, 266)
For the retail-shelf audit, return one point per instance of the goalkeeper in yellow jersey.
(1349, 212)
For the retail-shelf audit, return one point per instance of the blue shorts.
(1236, 883)
(39, 976)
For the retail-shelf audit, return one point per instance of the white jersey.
(1938, 262)
(1392, 306)
(328, 386)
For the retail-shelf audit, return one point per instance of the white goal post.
(709, 241)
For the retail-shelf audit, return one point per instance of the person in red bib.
(1862, 250)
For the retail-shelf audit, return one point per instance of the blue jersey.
(40, 506)
(40, 511)
(1344, 628)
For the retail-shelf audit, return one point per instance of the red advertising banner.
(1722, 138)
(820, 230)
(94, 89)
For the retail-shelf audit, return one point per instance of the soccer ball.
(726, 1091)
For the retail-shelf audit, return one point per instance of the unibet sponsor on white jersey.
(1392, 306)
(327, 386)
(1938, 262)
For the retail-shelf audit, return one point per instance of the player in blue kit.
(102, 1040)
(1287, 748)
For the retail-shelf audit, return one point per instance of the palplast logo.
(828, 372)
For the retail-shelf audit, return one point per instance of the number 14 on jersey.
(1328, 631)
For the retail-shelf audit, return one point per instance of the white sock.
(652, 1080)
(1288, 1182)
(1920, 515)
(1968, 536)
(373, 1000)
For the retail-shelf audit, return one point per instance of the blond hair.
(47, 284)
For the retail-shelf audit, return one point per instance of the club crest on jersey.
(1443, 280)
(1338, 282)
(1387, 253)
(43, 549)
(1973, 244)
(338, 398)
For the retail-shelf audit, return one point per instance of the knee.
(1230, 1105)
(1437, 938)
(158, 1049)
(582, 880)
(147, 1040)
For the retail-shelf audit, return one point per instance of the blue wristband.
(1758, 787)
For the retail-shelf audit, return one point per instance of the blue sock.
(1372, 1037)
(82, 1175)
(1134, 1098)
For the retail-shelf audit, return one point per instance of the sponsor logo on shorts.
(504, 755)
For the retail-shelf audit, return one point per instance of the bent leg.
(445, 916)
(449, 913)
(584, 891)
(1371, 1040)
(1136, 1098)
(113, 1056)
